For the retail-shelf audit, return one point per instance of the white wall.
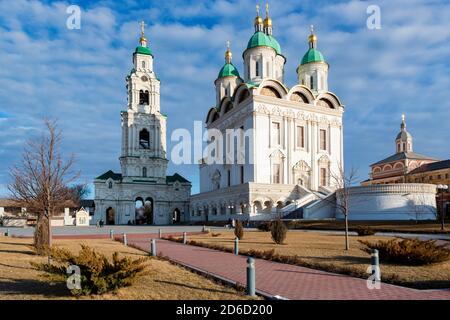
(392, 202)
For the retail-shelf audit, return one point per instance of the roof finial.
(403, 125)
(228, 53)
(258, 20)
(143, 40)
(142, 28)
(312, 39)
(268, 22)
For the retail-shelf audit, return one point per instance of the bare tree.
(40, 182)
(420, 207)
(79, 192)
(343, 181)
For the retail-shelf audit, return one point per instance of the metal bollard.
(236, 246)
(375, 262)
(251, 286)
(7, 232)
(153, 248)
(111, 234)
(160, 233)
(125, 242)
(184, 237)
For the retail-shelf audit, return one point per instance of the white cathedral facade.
(296, 134)
(142, 193)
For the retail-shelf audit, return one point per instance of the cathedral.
(142, 193)
(290, 137)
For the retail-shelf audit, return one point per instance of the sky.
(78, 76)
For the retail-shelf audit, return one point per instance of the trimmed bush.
(215, 235)
(278, 231)
(98, 275)
(239, 229)
(412, 252)
(264, 226)
(364, 231)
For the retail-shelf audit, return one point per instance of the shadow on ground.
(33, 288)
(192, 287)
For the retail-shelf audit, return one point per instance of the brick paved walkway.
(288, 281)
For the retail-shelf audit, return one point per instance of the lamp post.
(442, 188)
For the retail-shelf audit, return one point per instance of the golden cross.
(228, 45)
(142, 27)
(267, 9)
(312, 29)
(257, 10)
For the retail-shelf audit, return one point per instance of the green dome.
(276, 45)
(143, 50)
(312, 55)
(261, 39)
(228, 70)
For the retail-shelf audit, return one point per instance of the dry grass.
(326, 252)
(386, 226)
(165, 281)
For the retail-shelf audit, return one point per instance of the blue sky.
(78, 76)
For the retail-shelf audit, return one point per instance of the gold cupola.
(268, 22)
(143, 40)
(259, 23)
(228, 53)
(312, 39)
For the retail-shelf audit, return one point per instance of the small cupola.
(404, 140)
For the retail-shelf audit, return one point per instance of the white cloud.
(77, 76)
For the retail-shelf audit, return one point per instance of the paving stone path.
(288, 281)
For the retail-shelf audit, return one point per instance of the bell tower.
(143, 125)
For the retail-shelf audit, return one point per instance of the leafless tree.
(421, 207)
(79, 192)
(343, 180)
(40, 182)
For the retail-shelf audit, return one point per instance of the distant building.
(406, 166)
(13, 213)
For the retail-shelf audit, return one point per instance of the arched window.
(311, 81)
(110, 185)
(257, 68)
(323, 177)
(144, 97)
(143, 64)
(144, 139)
(144, 172)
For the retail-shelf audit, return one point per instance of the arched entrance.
(139, 211)
(148, 210)
(110, 216)
(176, 216)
